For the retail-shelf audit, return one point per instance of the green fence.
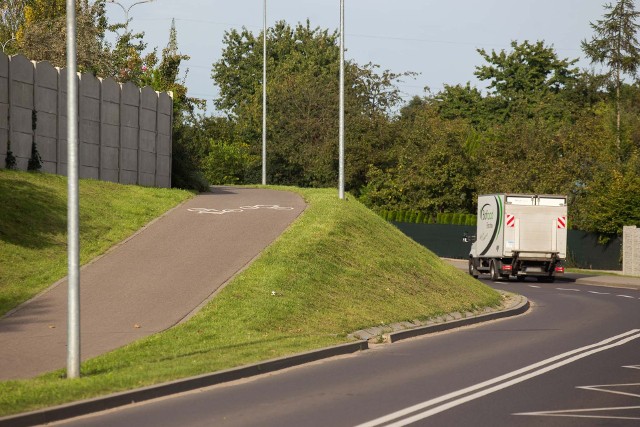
(583, 248)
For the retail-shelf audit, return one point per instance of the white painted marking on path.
(626, 296)
(503, 381)
(534, 286)
(599, 293)
(565, 289)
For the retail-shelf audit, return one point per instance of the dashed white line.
(599, 293)
(534, 286)
(565, 289)
(626, 296)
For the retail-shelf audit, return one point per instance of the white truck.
(519, 235)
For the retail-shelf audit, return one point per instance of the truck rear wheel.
(493, 270)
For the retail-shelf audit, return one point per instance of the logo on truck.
(487, 214)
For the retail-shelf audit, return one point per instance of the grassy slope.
(337, 269)
(33, 226)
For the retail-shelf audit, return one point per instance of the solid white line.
(404, 412)
(605, 390)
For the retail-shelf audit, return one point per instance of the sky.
(436, 38)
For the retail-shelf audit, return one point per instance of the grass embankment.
(337, 269)
(33, 226)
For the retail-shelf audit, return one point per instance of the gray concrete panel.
(130, 94)
(128, 177)
(148, 119)
(21, 94)
(89, 108)
(89, 132)
(4, 90)
(22, 69)
(47, 147)
(46, 75)
(111, 113)
(62, 168)
(129, 138)
(89, 155)
(164, 124)
(165, 103)
(4, 138)
(4, 65)
(46, 99)
(89, 172)
(49, 167)
(110, 91)
(21, 145)
(147, 162)
(89, 86)
(21, 120)
(148, 98)
(129, 116)
(164, 144)
(4, 116)
(163, 165)
(128, 160)
(109, 135)
(47, 124)
(147, 141)
(110, 175)
(163, 181)
(109, 158)
(22, 163)
(147, 179)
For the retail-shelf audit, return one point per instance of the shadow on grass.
(30, 216)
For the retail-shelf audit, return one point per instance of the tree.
(42, 36)
(11, 20)
(302, 95)
(525, 78)
(615, 45)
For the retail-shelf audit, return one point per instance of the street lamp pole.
(126, 11)
(264, 95)
(73, 221)
(341, 125)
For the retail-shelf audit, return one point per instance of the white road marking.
(502, 382)
(626, 296)
(632, 366)
(582, 413)
(565, 289)
(599, 293)
(576, 413)
(534, 286)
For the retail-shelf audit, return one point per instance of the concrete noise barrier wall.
(631, 251)
(124, 133)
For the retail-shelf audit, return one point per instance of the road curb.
(521, 307)
(84, 407)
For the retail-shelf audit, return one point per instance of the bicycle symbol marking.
(240, 209)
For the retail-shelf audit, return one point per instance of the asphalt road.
(517, 372)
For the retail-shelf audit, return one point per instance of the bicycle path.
(151, 281)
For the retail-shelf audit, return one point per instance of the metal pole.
(73, 327)
(341, 132)
(264, 96)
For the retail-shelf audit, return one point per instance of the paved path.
(150, 282)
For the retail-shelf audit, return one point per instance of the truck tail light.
(506, 268)
(559, 269)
